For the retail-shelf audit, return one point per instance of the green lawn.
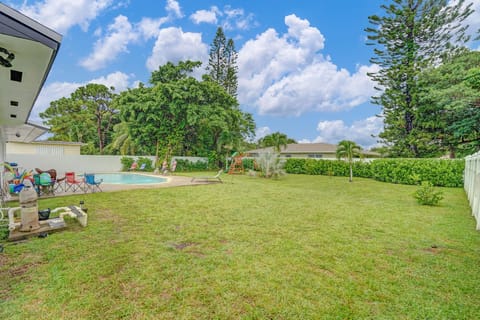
(302, 247)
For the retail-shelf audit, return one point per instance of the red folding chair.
(72, 183)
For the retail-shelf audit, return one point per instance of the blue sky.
(302, 63)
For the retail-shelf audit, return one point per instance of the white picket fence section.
(472, 184)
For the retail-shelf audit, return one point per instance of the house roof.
(31, 49)
(49, 142)
(302, 148)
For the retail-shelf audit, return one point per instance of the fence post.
(471, 183)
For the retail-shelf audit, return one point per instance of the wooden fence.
(472, 184)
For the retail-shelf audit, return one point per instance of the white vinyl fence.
(472, 184)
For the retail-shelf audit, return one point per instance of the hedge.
(444, 173)
(184, 165)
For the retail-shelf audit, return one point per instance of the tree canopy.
(86, 116)
(184, 115)
(449, 106)
(222, 63)
(412, 35)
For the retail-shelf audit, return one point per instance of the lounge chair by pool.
(210, 178)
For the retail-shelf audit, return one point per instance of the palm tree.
(348, 149)
(277, 140)
(122, 140)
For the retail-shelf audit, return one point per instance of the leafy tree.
(122, 143)
(222, 63)
(277, 140)
(449, 106)
(183, 115)
(171, 72)
(413, 35)
(231, 79)
(348, 150)
(87, 116)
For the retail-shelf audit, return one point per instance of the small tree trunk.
(156, 154)
(351, 173)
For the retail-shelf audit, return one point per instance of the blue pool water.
(128, 178)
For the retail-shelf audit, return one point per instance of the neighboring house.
(309, 150)
(57, 148)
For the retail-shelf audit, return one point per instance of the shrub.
(248, 164)
(187, 165)
(427, 195)
(147, 161)
(126, 163)
(443, 173)
(270, 165)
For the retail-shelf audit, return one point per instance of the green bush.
(185, 165)
(248, 164)
(427, 195)
(126, 163)
(147, 162)
(444, 173)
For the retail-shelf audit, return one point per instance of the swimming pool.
(128, 178)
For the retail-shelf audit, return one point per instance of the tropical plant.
(277, 140)
(270, 165)
(348, 150)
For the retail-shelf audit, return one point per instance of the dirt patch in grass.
(13, 274)
(433, 249)
(182, 245)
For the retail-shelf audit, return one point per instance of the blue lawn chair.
(91, 183)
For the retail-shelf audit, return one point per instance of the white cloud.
(287, 75)
(175, 45)
(237, 19)
(149, 28)
(206, 16)
(106, 49)
(360, 131)
(57, 90)
(121, 33)
(262, 132)
(173, 8)
(474, 19)
(61, 15)
(118, 80)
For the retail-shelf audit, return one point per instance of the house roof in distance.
(302, 148)
(50, 142)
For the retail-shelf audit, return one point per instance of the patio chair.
(210, 178)
(91, 183)
(142, 167)
(59, 184)
(72, 183)
(43, 183)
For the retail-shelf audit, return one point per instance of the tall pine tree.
(413, 35)
(222, 63)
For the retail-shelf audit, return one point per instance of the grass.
(302, 247)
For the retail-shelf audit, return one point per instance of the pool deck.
(172, 181)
